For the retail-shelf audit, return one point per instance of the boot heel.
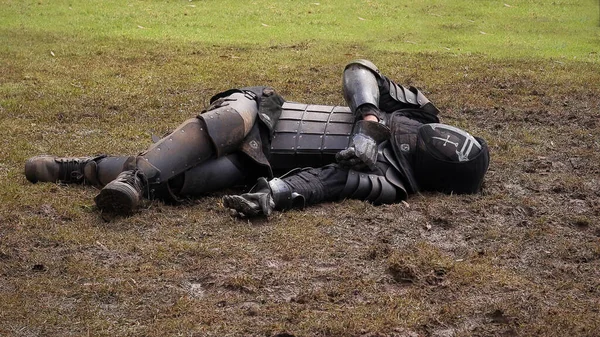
(121, 196)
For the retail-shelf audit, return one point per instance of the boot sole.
(118, 198)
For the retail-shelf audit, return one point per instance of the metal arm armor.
(382, 186)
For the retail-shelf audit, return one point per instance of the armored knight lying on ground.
(386, 145)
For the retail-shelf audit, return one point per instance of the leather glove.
(362, 151)
(252, 203)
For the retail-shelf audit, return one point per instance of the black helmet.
(449, 160)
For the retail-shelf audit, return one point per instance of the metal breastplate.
(310, 135)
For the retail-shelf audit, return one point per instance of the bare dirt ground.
(521, 259)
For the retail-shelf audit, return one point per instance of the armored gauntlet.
(264, 197)
(362, 151)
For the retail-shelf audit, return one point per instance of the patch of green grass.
(560, 29)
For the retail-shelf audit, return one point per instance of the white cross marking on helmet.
(447, 140)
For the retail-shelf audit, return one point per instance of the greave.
(186, 147)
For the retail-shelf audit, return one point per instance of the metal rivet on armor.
(211, 117)
(410, 100)
(182, 131)
(293, 148)
(171, 139)
(324, 147)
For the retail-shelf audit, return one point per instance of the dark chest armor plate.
(310, 135)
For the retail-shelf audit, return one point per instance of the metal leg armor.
(149, 173)
(189, 145)
(106, 169)
(360, 86)
(218, 131)
(211, 176)
(229, 119)
(157, 172)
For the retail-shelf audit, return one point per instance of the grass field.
(521, 259)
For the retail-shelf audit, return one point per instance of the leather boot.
(69, 170)
(122, 195)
